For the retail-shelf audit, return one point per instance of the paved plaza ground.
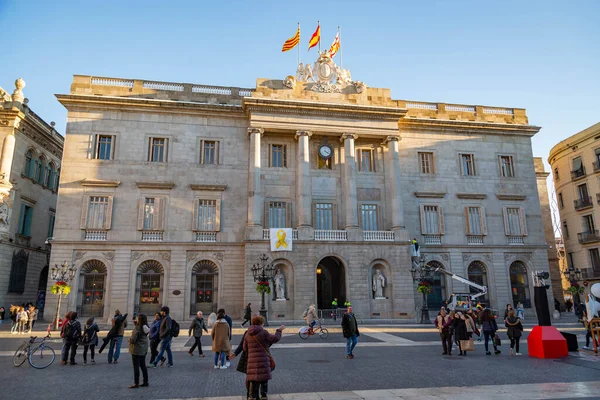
(392, 362)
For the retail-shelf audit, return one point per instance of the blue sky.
(540, 55)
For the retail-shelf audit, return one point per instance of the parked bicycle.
(39, 354)
(305, 332)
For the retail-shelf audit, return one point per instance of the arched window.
(436, 299)
(57, 179)
(49, 178)
(92, 280)
(18, 272)
(477, 273)
(205, 287)
(41, 170)
(519, 284)
(150, 281)
(29, 164)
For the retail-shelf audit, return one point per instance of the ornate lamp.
(263, 272)
(62, 275)
(423, 276)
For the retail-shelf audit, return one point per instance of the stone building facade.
(169, 190)
(576, 171)
(30, 166)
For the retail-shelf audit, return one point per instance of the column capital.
(303, 133)
(255, 130)
(394, 138)
(346, 136)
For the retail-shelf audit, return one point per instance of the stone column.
(392, 173)
(303, 187)
(8, 151)
(349, 182)
(255, 200)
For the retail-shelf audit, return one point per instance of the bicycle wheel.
(303, 335)
(324, 333)
(42, 356)
(20, 355)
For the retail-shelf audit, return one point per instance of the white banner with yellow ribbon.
(281, 239)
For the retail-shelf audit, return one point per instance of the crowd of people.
(23, 318)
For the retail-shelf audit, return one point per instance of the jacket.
(138, 341)
(259, 362)
(349, 325)
(230, 323)
(515, 328)
(76, 325)
(220, 336)
(240, 347)
(119, 323)
(154, 330)
(165, 328)
(311, 316)
(93, 334)
(197, 326)
(460, 329)
(443, 323)
(247, 313)
(489, 326)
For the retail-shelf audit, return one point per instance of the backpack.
(89, 334)
(174, 328)
(71, 334)
(305, 314)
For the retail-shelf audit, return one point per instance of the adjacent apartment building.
(168, 191)
(30, 167)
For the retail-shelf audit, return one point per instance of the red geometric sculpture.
(546, 342)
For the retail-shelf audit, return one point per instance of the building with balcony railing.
(175, 189)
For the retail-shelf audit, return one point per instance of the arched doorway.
(205, 287)
(41, 296)
(436, 298)
(150, 277)
(331, 282)
(92, 279)
(519, 284)
(477, 273)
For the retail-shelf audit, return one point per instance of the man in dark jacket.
(350, 331)
(164, 333)
(196, 327)
(155, 338)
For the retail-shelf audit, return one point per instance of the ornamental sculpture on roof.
(326, 76)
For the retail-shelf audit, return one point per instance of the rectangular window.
(277, 214)
(426, 163)
(570, 260)
(595, 259)
(556, 176)
(467, 165)
(577, 164)
(207, 215)
(149, 214)
(514, 221)
(582, 192)
(104, 147)
(430, 220)
(561, 203)
(158, 150)
(597, 153)
(565, 230)
(588, 223)
(324, 216)
(474, 216)
(368, 217)
(25, 220)
(51, 225)
(278, 156)
(366, 161)
(209, 152)
(98, 212)
(506, 167)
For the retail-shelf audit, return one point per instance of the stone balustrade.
(419, 109)
(206, 236)
(378, 236)
(152, 236)
(95, 235)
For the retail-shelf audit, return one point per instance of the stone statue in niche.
(378, 284)
(279, 280)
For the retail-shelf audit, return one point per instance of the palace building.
(169, 191)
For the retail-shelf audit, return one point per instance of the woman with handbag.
(260, 362)
(221, 340)
(460, 331)
(514, 331)
(138, 347)
(489, 327)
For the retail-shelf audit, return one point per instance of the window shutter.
(314, 215)
(358, 159)
(360, 216)
(218, 215)
(159, 213)
(373, 161)
(467, 224)
(141, 205)
(195, 215)
(109, 213)
(441, 220)
(217, 152)
(202, 152)
(482, 221)
(84, 210)
(523, 221)
(270, 147)
(95, 144)
(422, 213)
(379, 218)
(506, 225)
(334, 224)
(285, 157)
(166, 158)
(288, 213)
(267, 209)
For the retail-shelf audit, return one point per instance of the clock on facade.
(325, 151)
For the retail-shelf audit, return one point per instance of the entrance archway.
(205, 287)
(41, 297)
(436, 298)
(91, 288)
(331, 282)
(149, 288)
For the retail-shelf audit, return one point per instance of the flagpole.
(298, 45)
(341, 61)
(319, 26)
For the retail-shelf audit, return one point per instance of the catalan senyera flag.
(315, 38)
(335, 46)
(292, 42)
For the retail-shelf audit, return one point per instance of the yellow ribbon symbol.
(281, 239)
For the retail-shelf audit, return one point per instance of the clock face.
(325, 151)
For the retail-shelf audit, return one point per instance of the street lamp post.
(573, 275)
(263, 272)
(424, 274)
(62, 273)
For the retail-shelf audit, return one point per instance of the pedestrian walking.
(62, 334)
(334, 307)
(221, 341)
(13, 312)
(115, 337)
(350, 332)
(72, 333)
(227, 318)
(243, 362)
(489, 327)
(514, 331)
(260, 362)
(460, 331)
(196, 327)
(442, 323)
(520, 311)
(138, 348)
(23, 320)
(166, 336)
(508, 309)
(89, 339)
(588, 333)
(247, 314)
(155, 338)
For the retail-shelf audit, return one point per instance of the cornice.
(155, 185)
(430, 195)
(461, 126)
(99, 183)
(472, 196)
(216, 188)
(517, 197)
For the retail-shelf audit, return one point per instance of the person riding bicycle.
(311, 317)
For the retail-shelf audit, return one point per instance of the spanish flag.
(292, 42)
(315, 38)
(335, 46)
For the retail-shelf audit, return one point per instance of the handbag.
(271, 359)
(243, 363)
(497, 341)
(467, 345)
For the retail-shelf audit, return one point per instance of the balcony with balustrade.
(378, 236)
(432, 239)
(515, 240)
(206, 237)
(152, 236)
(596, 165)
(588, 237)
(583, 203)
(95, 235)
(475, 240)
(578, 174)
(267, 234)
(590, 273)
